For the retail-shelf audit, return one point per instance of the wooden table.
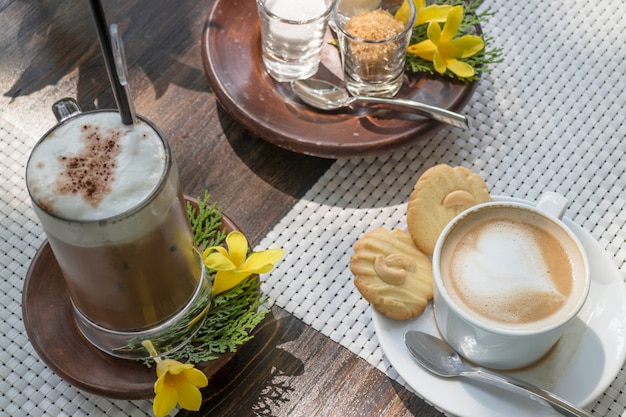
(49, 50)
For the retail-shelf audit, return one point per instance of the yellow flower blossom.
(443, 50)
(234, 264)
(177, 383)
(423, 13)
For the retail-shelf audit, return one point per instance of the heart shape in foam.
(502, 259)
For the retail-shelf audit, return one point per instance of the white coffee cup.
(509, 279)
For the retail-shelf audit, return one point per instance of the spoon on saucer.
(439, 358)
(326, 96)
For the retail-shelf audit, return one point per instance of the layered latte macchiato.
(512, 269)
(109, 199)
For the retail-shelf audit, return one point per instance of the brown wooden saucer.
(231, 55)
(49, 321)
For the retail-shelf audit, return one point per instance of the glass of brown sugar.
(373, 45)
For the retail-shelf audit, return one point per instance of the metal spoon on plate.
(326, 96)
(439, 358)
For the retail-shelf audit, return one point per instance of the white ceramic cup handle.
(553, 203)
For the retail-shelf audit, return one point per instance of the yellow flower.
(444, 51)
(234, 264)
(176, 383)
(423, 13)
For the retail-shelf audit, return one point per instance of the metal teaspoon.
(439, 358)
(326, 96)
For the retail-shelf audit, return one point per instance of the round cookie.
(439, 195)
(392, 274)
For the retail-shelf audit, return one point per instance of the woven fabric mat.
(550, 117)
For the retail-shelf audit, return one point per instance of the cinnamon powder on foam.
(91, 171)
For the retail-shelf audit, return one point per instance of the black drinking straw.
(122, 98)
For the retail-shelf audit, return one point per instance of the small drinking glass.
(292, 34)
(373, 45)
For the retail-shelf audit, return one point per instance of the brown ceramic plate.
(49, 321)
(231, 53)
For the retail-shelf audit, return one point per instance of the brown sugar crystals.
(376, 25)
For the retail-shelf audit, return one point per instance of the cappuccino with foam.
(512, 269)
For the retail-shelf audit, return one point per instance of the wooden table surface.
(49, 50)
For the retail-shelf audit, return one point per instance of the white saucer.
(581, 366)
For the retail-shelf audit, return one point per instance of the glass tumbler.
(110, 202)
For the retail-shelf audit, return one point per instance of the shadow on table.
(412, 401)
(297, 172)
(66, 40)
(256, 380)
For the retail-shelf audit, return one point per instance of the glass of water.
(292, 34)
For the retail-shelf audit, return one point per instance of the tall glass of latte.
(109, 199)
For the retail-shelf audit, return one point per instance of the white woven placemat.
(550, 117)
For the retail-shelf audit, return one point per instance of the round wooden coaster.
(49, 320)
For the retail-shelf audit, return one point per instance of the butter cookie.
(439, 195)
(391, 273)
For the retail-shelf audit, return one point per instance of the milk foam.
(94, 167)
(503, 258)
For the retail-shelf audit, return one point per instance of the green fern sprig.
(234, 313)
